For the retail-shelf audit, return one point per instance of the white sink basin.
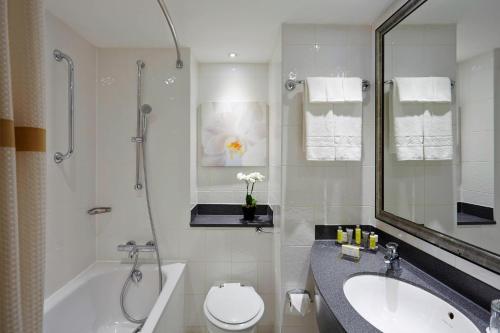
(394, 306)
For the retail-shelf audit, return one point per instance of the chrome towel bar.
(291, 83)
(59, 56)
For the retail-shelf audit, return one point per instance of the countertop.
(330, 272)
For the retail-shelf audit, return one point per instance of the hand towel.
(348, 131)
(424, 89)
(414, 89)
(438, 131)
(318, 125)
(335, 92)
(353, 89)
(316, 87)
(442, 89)
(406, 126)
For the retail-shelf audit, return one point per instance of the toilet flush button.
(233, 304)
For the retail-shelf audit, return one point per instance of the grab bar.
(59, 56)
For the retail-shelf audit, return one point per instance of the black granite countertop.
(330, 272)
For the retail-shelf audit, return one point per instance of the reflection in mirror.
(441, 75)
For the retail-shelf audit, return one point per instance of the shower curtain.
(22, 166)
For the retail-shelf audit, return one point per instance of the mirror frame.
(470, 252)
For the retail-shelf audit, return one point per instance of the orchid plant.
(250, 181)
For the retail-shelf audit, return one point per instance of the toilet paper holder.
(297, 291)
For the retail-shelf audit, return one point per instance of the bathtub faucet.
(132, 248)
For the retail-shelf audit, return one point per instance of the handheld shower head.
(146, 109)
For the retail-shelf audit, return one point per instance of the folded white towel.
(438, 131)
(442, 89)
(421, 131)
(406, 128)
(316, 88)
(353, 89)
(348, 131)
(335, 92)
(319, 143)
(414, 89)
(424, 89)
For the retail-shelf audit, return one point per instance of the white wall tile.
(71, 186)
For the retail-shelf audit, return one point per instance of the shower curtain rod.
(163, 6)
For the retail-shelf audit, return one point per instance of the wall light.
(232, 55)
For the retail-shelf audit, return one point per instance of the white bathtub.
(90, 303)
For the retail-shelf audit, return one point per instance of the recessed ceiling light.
(232, 54)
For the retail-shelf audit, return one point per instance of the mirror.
(438, 156)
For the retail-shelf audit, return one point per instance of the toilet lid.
(233, 304)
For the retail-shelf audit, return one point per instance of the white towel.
(421, 126)
(348, 131)
(316, 87)
(406, 127)
(319, 143)
(438, 132)
(335, 92)
(353, 89)
(424, 89)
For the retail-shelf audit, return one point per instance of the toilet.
(232, 307)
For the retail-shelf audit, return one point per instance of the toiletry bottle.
(344, 237)
(373, 241)
(357, 235)
(339, 235)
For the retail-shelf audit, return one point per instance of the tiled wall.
(422, 191)
(476, 100)
(229, 82)
(70, 233)
(320, 192)
(213, 255)
(274, 184)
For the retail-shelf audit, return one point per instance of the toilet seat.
(233, 307)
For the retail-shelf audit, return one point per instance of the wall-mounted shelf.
(226, 215)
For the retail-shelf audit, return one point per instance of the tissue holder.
(299, 301)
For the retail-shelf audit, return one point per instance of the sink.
(394, 306)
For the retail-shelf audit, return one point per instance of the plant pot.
(249, 212)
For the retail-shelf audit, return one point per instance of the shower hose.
(136, 255)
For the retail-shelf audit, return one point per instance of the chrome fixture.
(132, 248)
(391, 82)
(391, 257)
(163, 6)
(292, 82)
(135, 276)
(59, 56)
(138, 138)
(99, 210)
(143, 110)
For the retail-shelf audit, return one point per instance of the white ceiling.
(212, 28)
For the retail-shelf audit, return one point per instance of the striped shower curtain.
(22, 166)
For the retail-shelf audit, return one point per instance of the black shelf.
(225, 215)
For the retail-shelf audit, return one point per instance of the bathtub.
(90, 303)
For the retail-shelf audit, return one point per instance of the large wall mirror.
(438, 125)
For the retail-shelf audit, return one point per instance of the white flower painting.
(233, 134)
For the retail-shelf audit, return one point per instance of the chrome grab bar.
(59, 56)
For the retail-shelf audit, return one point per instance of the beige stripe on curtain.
(22, 172)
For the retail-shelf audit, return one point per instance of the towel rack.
(59, 56)
(392, 82)
(291, 83)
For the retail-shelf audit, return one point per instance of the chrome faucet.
(391, 257)
(133, 249)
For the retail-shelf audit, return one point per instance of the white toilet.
(232, 307)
